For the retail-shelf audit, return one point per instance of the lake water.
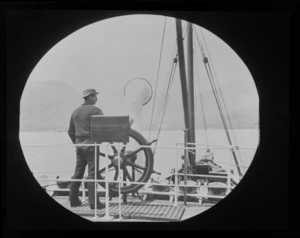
(59, 160)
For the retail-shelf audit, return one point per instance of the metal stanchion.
(95, 177)
(83, 191)
(176, 178)
(106, 216)
(229, 174)
(119, 181)
(185, 165)
(200, 198)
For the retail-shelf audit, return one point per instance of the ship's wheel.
(136, 164)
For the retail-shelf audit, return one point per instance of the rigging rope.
(222, 97)
(157, 77)
(155, 123)
(202, 104)
(175, 60)
(166, 99)
(160, 108)
(163, 102)
(210, 76)
(238, 122)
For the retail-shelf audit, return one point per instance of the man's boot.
(73, 194)
(91, 195)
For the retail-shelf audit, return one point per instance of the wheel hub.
(131, 157)
(116, 160)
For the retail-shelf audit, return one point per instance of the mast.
(182, 72)
(187, 87)
(190, 84)
(183, 81)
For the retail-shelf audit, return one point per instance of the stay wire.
(216, 80)
(222, 98)
(160, 106)
(213, 73)
(156, 121)
(209, 72)
(166, 100)
(227, 115)
(210, 76)
(175, 60)
(201, 101)
(155, 124)
(221, 112)
(157, 76)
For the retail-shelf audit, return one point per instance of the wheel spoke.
(136, 165)
(133, 173)
(135, 169)
(116, 174)
(134, 152)
(114, 149)
(124, 148)
(104, 155)
(127, 174)
(124, 178)
(103, 169)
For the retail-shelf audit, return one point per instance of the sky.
(107, 54)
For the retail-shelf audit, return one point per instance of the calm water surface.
(59, 160)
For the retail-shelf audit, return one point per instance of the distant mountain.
(47, 106)
(241, 101)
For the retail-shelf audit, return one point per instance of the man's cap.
(88, 92)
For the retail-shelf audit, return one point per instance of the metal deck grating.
(132, 210)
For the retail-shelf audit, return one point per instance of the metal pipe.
(204, 175)
(146, 146)
(190, 195)
(145, 183)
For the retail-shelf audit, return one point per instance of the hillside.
(47, 105)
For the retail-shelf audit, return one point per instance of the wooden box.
(110, 129)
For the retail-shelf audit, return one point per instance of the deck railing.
(176, 185)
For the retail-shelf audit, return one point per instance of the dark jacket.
(80, 123)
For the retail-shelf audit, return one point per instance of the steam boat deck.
(136, 210)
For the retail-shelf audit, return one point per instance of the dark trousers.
(85, 157)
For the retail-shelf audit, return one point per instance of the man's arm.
(72, 131)
(131, 121)
(97, 111)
